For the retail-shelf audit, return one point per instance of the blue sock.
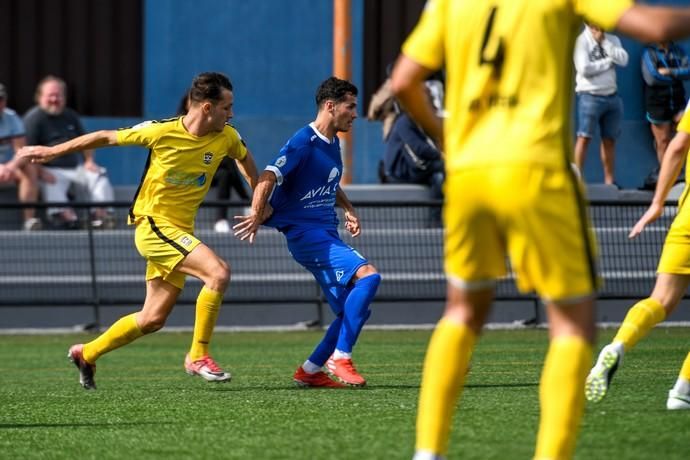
(356, 311)
(325, 348)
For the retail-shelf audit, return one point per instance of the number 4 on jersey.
(496, 60)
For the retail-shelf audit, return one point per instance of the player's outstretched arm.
(671, 165)
(42, 154)
(247, 168)
(655, 23)
(248, 225)
(351, 218)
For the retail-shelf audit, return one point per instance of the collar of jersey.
(318, 133)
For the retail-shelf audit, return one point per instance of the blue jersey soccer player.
(302, 185)
(184, 154)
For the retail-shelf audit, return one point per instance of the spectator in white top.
(596, 56)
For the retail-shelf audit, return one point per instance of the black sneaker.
(58, 222)
(86, 370)
(651, 180)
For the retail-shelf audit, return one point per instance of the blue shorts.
(332, 262)
(604, 111)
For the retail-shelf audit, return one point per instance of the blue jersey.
(308, 170)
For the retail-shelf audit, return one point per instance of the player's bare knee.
(151, 323)
(469, 312)
(366, 270)
(219, 278)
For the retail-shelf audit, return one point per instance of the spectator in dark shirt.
(411, 156)
(664, 67)
(383, 108)
(50, 123)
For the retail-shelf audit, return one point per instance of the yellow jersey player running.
(673, 279)
(510, 189)
(184, 154)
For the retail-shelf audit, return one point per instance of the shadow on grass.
(475, 385)
(296, 388)
(364, 388)
(502, 385)
(287, 387)
(9, 426)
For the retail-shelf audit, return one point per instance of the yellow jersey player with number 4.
(184, 154)
(510, 190)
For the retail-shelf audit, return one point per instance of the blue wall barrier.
(276, 53)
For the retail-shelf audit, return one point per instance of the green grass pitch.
(147, 407)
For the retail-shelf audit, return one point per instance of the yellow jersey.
(684, 125)
(509, 74)
(179, 169)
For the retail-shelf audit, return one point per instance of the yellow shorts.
(536, 215)
(675, 256)
(163, 245)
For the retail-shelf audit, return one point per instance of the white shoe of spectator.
(32, 223)
(107, 222)
(222, 226)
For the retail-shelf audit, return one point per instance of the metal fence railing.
(404, 240)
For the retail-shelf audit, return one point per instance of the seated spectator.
(664, 67)
(383, 107)
(50, 123)
(226, 179)
(411, 156)
(12, 138)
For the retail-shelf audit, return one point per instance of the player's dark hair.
(208, 86)
(183, 105)
(334, 89)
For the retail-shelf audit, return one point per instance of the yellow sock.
(561, 397)
(207, 309)
(685, 370)
(445, 367)
(641, 318)
(122, 332)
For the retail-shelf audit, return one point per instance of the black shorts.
(663, 103)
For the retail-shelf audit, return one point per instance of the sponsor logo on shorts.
(185, 241)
